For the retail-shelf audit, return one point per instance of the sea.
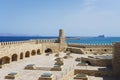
(75, 40)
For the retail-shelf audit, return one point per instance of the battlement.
(36, 41)
(46, 40)
(90, 45)
(53, 41)
(12, 43)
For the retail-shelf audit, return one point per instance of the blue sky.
(46, 17)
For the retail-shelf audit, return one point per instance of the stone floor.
(42, 61)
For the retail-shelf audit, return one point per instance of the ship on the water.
(101, 36)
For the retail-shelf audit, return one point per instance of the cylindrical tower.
(62, 40)
(61, 33)
(61, 36)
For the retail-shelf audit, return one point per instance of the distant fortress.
(18, 50)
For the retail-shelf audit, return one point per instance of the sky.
(46, 17)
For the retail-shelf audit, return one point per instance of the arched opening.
(38, 52)
(90, 49)
(105, 50)
(33, 52)
(21, 55)
(48, 50)
(88, 62)
(5, 60)
(67, 49)
(27, 54)
(14, 57)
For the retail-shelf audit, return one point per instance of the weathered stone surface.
(14, 51)
(116, 59)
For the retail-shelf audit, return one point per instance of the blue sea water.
(95, 40)
(81, 40)
(21, 38)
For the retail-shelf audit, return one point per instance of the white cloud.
(89, 5)
(89, 2)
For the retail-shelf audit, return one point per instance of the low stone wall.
(75, 50)
(76, 45)
(56, 69)
(90, 49)
(93, 72)
(98, 62)
(45, 78)
(98, 73)
(90, 45)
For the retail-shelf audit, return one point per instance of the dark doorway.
(5, 60)
(27, 54)
(14, 57)
(89, 63)
(48, 50)
(33, 52)
(38, 52)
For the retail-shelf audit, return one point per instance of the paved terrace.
(42, 60)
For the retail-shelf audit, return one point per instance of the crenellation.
(46, 41)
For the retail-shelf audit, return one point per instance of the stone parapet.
(90, 45)
(94, 72)
(98, 62)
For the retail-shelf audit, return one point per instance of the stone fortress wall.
(99, 73)
(116, 59)
(10, 43)
(114, 62)
(98, 62)
(93, 49)
(18, 50)
(90, 48)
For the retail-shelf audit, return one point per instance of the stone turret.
(116, 59)
(61, 36)
(62, 40)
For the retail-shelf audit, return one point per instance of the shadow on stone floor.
(111, 78)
